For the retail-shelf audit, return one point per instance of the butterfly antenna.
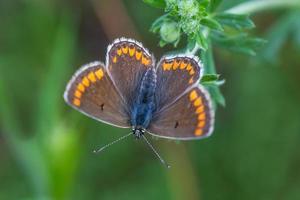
(113, 142)
(156, 153)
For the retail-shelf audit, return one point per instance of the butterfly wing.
(175, 75)
(127, 62)
(91, 91)
(184, 108)
(189, 117)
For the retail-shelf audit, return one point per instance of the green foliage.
(212, 83)
(240, 42)
(211, 79)
(212, 86)
(202, 23)
(211, 24)
(236, 21)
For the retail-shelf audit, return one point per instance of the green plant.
(204, 24)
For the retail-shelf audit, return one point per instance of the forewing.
(174, 76)
(127, 62)
(92, 92)
(190, 117)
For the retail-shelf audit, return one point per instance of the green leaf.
(214, 4)
(162, 43)
(235, 21)
(211, 23)
(213, 83)
(156, 3)
(209, 77)
(204, 4)
(216, 95)
(239, 43)
(211, 80)
(201, 41)
(155, 27)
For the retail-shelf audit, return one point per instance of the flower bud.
(170, 32)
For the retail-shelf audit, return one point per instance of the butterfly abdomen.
(144, 105)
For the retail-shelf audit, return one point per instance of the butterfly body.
(164, 100)
(144, 104)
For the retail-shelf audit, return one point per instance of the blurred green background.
(45, 146)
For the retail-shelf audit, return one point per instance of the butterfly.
(131, 91)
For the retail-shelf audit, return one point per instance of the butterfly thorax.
(144, 103)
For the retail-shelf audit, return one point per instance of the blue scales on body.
(144, 103)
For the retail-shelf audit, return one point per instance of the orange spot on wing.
(145, 60)
(131, 51)
(192, 72)
(191, 80)
(115, 59)
(201, 116)
(198, 132)
(78, 94)
(76, 102)
(200, 109)
(92, 77)
(182, 65)
(80, 87)
(201, 124)
(119, 51)
(138, 55)
(198, 101)
(193, 95)
(86, 82)
(167, 65)
(189, 67)
(176, 64)
(125, 49)
(99, 74)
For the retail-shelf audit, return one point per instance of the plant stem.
(259, 5)
(209, 68)
(197, 47)
(194, 50)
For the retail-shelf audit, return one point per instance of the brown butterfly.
(132, 91)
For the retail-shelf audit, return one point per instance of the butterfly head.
(138, 131)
